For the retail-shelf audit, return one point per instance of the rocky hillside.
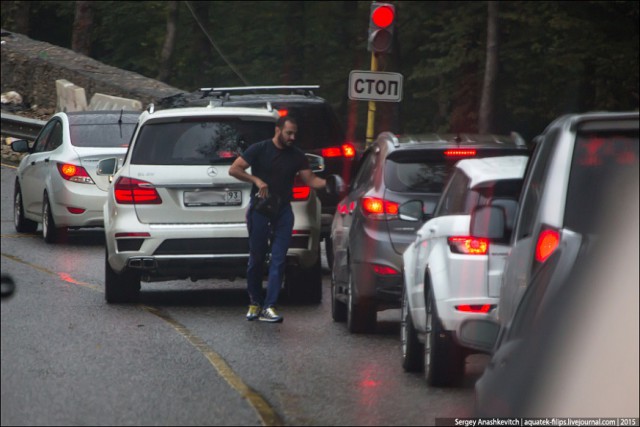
(31, 68)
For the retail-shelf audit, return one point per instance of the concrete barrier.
(70, 97)
(100, 101)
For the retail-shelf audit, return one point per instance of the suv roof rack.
(225, 91)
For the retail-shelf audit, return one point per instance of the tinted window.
(43, 138)
(427, 170)
(55, 140)
(535, 184)
(101, 135)
(454, 199)
(317, 125)
(424, 177)
(364, 177)
(198, 141)
(599, 160)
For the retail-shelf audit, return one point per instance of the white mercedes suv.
(450, 273)
(173, 211)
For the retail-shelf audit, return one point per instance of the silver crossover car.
(368, 233)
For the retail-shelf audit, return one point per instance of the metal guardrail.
(21, 127)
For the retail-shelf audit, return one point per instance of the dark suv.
(319, 131)
(370, 235)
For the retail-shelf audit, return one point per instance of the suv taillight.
(460, 152)
(348, 151)
(468, 245)
(548, 241)
(74, 173)
(130, 191)
(301, 191)
(377, 208)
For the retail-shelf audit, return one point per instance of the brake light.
(346, 150)
(476, 308)
(130, 191)
(376, 208)
(459, 152)
(384, 270)
(468, 245)
(300, 190)
(283, 112)
(548, 241)
(74, 173)
(133, 234)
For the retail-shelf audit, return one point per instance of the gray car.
(368, 234)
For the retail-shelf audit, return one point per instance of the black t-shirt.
(277, 167)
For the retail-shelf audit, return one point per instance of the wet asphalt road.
(185, 355)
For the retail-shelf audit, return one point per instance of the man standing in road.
(274, 163)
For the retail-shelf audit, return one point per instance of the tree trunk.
(169, 42)
(82, 23)
(485, 116)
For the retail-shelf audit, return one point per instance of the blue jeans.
(260, 230)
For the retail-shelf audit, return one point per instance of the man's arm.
(312, 180)
(238, 171)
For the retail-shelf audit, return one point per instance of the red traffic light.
(383, 16)
(381, 26)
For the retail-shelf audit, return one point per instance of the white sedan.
(56, 181)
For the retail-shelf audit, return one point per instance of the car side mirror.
(488, 222)
(107, 166)
(411, 211)
(479, 334)
(20, 146)
(316, 163)
(335, 186)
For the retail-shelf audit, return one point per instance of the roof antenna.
(120, 119)
(457, 139)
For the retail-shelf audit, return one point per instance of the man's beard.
(284, 143)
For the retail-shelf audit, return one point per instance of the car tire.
(50, 232)
(412, 348)
(22, 224)
(361, 314)
(443, 358)
(120, 288)
(338, 308)
(304, 285)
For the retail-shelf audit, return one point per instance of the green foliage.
(554, 57)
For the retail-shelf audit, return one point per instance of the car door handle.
(46, 160)
(33, 163)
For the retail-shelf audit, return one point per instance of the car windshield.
(101, 135)
(198, 141)
(600, 160)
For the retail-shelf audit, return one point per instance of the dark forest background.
(545, 58)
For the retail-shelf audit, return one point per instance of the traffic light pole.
(371, 115)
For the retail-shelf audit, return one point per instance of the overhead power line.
(233, 68)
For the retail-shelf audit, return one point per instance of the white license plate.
(213, 198)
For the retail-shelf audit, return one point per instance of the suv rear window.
(600, 159)
(427, 171)
(198, 141)
(318, 126)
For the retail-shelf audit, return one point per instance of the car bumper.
(73, 196)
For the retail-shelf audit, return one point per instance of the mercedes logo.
(212, 171)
